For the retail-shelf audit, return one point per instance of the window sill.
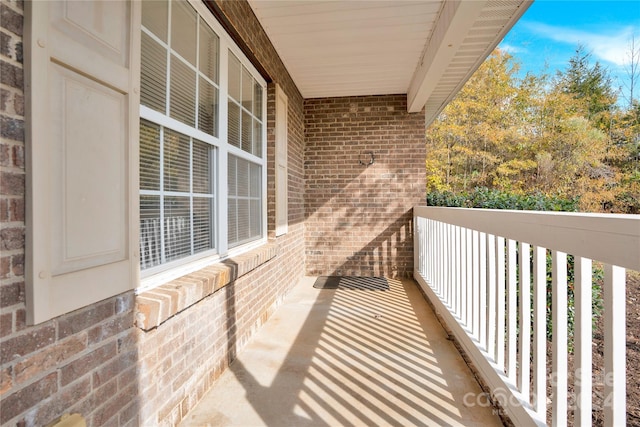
(155, 306)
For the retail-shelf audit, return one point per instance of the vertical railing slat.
(559, 344)
(463, 276)
(500, 302)
(469, 269)
(482, 246)
(511, 309)
(614, 297)
(582, 340)
(476, 285)
(540, 330)
(458, 270)
(491, 295)
(524, 360)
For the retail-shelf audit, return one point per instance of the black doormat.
(359, 283)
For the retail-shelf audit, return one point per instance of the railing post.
(614, 293)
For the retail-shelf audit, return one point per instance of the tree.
(632, 68)
(530, 135)
(590, 85)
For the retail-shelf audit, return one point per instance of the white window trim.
(281, 168)
(164, 273)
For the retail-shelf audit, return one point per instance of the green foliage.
(488, 198)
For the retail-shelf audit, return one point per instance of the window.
(202, 164)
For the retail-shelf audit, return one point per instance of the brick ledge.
(155, 306)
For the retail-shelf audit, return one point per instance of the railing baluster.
(458, 270)
(469, 268)
(582, 340)
(476, 286)
(463, 276)
(614, 346)
(540, 330)
(441, 258)
(445, 263)
(491, 295)
(500, 302)
(524, 360)
(511, 309)
(450, 267)
(482, 246)
(559, 345)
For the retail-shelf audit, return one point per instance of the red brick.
(11, 294)
(87, 363)
(5, 50)
(18, 103)
(114, 368)
(25, 344)
(16, 210)
(109, 328)
(28, 397)
(129, 376)
(6, 324)
(17, 265)
(11, 20)
(4, 210)
(11, 238)
(85, 318)
(129, 414)
(114, 405)
(49, 358)
(5, 150)
(6, 380)
(5, 267)
(17, 155)
(10, 128)
(59, 404)
(21, 320)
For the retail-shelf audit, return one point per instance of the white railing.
(470, 263)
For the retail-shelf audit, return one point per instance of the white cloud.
(612, 47)
(511, 48)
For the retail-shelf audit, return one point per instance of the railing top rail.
(609, 238)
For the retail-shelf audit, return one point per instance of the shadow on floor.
(346, 357)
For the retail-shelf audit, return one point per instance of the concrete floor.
(347, 357)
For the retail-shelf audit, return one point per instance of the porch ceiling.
(426, 49)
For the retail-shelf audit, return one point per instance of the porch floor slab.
(347, 357)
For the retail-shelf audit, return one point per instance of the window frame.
(157, 275)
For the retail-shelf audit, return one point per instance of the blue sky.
(549, 32)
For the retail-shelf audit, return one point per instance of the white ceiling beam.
(455, 20)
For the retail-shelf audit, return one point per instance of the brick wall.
(95, 361)
(358, 217)
(82, 362)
